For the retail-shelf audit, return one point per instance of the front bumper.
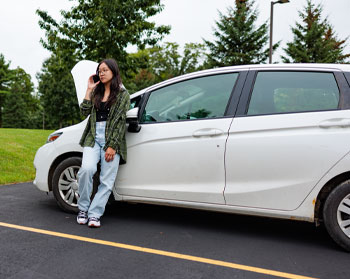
(43, 160)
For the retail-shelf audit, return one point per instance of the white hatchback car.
(267, 140)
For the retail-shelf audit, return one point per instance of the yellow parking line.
(159, 252)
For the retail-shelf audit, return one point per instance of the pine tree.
(20, 107)
(57, 92)
(5, 77)
(314, 39)
(238, 40)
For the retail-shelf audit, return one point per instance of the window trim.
(344, 87)
(229, 107)
(243, 106)
(347, 77)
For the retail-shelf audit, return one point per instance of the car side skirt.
(303, 213)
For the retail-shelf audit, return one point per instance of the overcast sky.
(190, 20)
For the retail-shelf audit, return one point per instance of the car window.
(283, 92)
(198, 98)
(134, 102)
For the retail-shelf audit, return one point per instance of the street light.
(271, 25)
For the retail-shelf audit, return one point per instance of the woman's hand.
(91, 86)
(109, 154)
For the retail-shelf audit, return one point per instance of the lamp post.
(271, 25)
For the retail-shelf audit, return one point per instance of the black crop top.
(102, 112)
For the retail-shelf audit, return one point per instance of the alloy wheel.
(343, 215)
(68, 185)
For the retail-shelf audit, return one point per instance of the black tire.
(65, 186)
(336, 215)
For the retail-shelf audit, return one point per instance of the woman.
(106, 101)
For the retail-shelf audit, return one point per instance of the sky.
(190, 21)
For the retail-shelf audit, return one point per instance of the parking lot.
(38, 240)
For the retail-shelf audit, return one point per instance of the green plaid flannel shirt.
(115, 125)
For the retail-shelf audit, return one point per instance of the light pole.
(271, 25)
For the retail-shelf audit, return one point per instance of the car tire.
(336, 215)
(65, 186)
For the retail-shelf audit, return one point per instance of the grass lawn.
(17, 151)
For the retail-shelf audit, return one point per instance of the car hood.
(81, 72)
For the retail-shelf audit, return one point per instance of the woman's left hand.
(109, 154)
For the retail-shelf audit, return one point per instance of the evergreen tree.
(21, 109)
(314, 39)
(5, 77)
(18, 100)
(57, 93)
(238, 40)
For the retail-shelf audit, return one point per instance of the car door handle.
(337, 122)
(207, 132)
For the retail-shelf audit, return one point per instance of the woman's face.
(105, 73)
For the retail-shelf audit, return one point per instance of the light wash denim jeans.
(109, 170)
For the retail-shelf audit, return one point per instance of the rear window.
(287, 92)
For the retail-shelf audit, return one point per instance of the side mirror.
(132, 119)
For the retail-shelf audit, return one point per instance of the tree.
(163, 62)
(5, 77)
(57, 93)
(167, 62)
(238, 41)
(94, 30)
(314, 39)
(98, 29)
(20, 107)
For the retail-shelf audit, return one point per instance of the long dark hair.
(115, 85)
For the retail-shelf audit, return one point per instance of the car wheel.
(336, 215)
(65, 185)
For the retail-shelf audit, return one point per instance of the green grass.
(17, 151)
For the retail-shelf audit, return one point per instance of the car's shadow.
(261, 228)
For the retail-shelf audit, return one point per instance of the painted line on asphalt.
(159, 252)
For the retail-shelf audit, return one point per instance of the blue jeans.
(109, 170)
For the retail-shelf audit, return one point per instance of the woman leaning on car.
(106, 101)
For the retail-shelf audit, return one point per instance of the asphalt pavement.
(38, 240)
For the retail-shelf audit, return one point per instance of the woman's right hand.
(91, 86)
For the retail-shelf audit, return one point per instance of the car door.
(179, 152)
(291, 128)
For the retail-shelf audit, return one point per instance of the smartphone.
(96, 78)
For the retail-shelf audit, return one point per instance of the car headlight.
(53, 137)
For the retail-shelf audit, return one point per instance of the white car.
(265, 140)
